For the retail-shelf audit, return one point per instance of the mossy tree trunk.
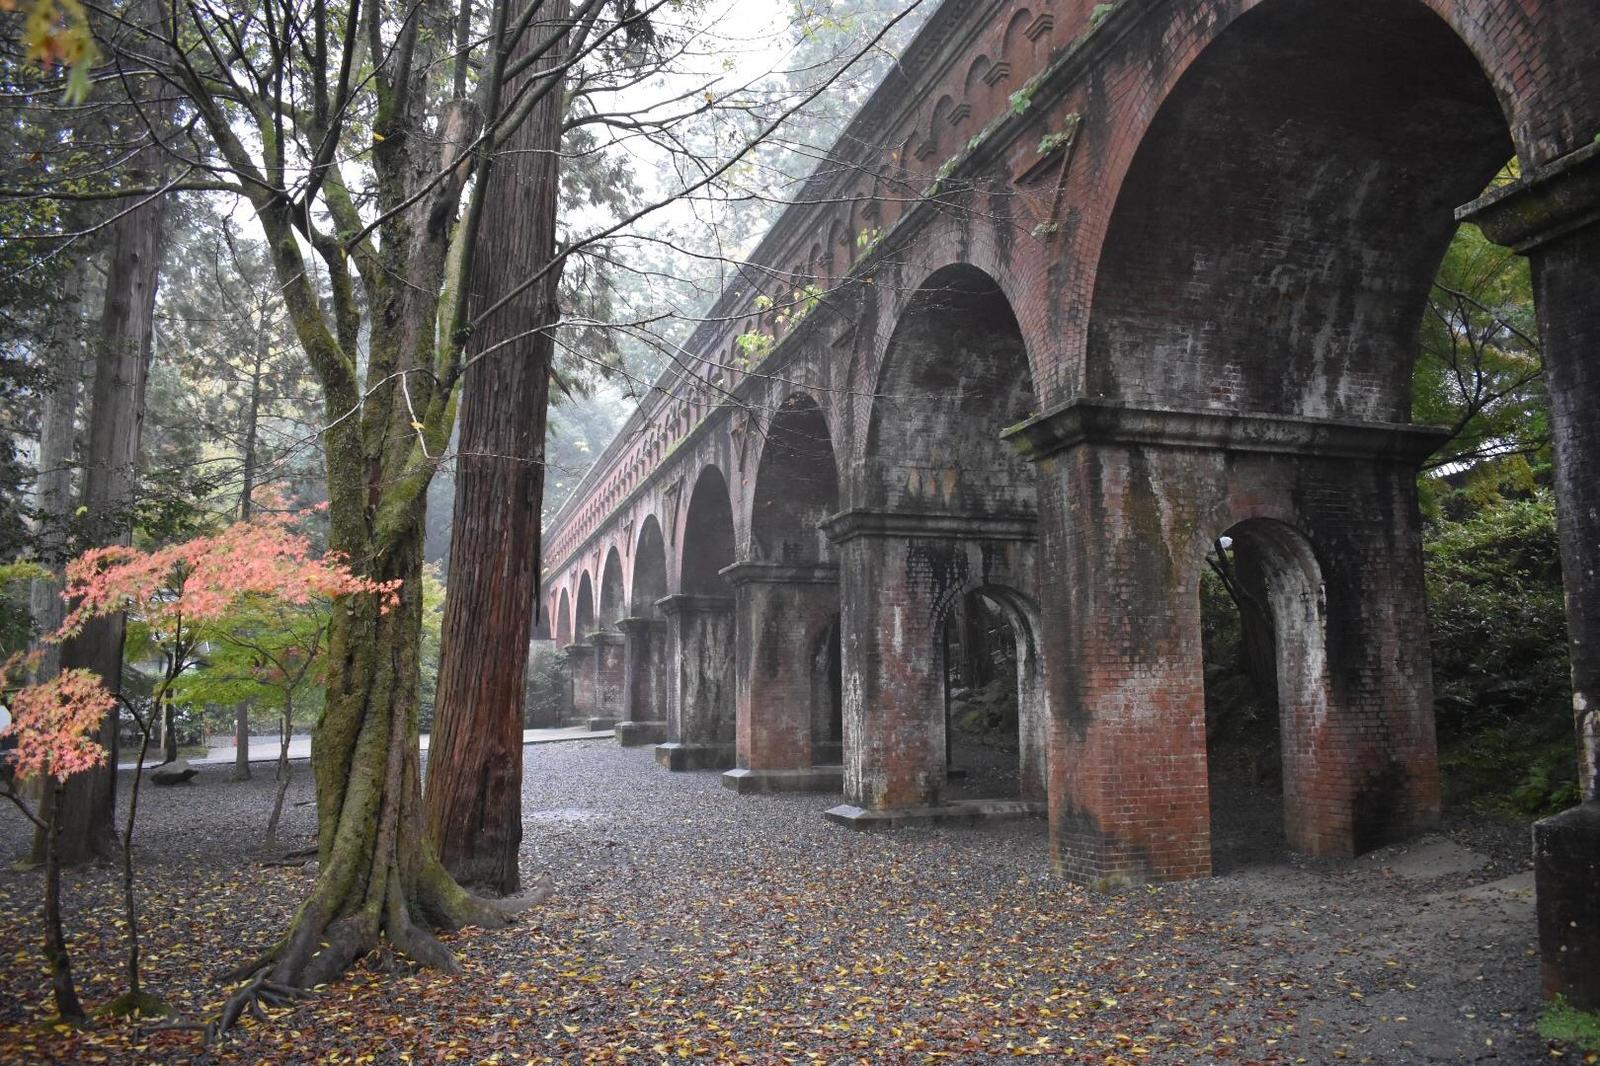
(377, 876)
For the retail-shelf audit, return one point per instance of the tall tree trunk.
(57, 434)
(122, 365)
(241, 741)
(379, 876)
(474, 798)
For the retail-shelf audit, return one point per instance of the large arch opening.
(611, 591)
(708, 544)
(1276, 235)
(649, 570)
(583, 614)
(956, 375)
(797, 486)
(1264, 619)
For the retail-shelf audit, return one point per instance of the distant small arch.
(1015, 41)
(611, 591)
(563, 620)
(975, 84)
(583, 616)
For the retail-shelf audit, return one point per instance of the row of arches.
(1248, 326)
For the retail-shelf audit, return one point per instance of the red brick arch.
(583, 617)
(796, 483)
(649, 576)
(612, 599)
(562, 613)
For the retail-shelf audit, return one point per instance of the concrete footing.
(956, 811)
(695, 756)
(640, 734)
(809, 779)
(1566, 871)
(600, 725)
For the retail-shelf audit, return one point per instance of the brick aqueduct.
(1099, 285)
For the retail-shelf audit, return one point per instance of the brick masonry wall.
(645, 670)
(608, 674)
(580, 667)
(780, 681)
(702, 686)
(1129, 794)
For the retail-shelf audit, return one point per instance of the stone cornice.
(932, 525)
(1542, 205)
(681, 604)
(753, 572)
(1085, 421)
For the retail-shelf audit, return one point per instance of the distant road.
(266, 750)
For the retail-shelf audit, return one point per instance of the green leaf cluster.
(1502, 685)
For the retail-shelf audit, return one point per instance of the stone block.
(809, 779)
(675, 756)
(956, 811)
(1566, 869)
(640, 734)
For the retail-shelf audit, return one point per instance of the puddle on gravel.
(565, 814)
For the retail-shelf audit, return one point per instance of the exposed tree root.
(255, 993)
(296, 858)
(260, 962)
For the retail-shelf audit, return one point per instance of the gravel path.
(689, 922)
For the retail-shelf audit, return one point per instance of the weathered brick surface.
(1566, 279)
(609, 674)
(1328, 514)
(580, 671)
(898, 581)
(645, 670)
(700, 707)
(785, 622)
